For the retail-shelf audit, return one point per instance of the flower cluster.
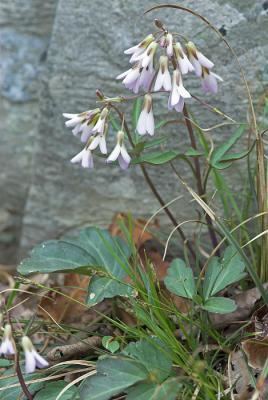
(175, 62)
(33, 360)
(93, 125)
(143, 75)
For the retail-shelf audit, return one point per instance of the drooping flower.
(146, 119)
(209, 81)
(178, 92)
(84, 157)
(182, 59)
(147, 57)
(33, 360)
(82, 123)
(101, 122)
(7, 346)
(139, 48)
(197, 59)
(163, 79)
(99, 140)
(120, 152)
(137, 77)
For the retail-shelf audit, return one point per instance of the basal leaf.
(153, 356)
(167, 390)
(53, 389)
(180, 279)
(220, 274)
(114, 375)
(219, 305)
(102, 288)
(93, 248)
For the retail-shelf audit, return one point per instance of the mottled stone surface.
(85, 53)
(25, 28)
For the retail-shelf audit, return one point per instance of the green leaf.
(11, 393)
(52, 389)
(157, 158)
(93, 248)
(155, 142)
(168, 390)
(180, 279)
(110, 344)
(114, 375)
(220, 274)
(220, 153)
(104, 288)
(153, 356)
(219, 305)
(191, 152)
(136, 110)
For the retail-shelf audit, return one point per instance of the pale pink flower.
(147, 57)
(120, 152)
(178, 92)
(197, 59)
(137, 77)
(209, 81)
(33, 360)
(82, 123)
(84, 157)
(146, 119)
(163, 79)
(7, 346)
(182, 59)
(139, 48)
(101, 122)
(99, 140)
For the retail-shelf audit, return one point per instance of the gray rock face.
(85, 53)
(25, 28)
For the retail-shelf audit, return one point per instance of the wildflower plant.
(159, 355)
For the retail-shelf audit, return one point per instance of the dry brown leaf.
(256, 351)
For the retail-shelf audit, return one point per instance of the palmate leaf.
(93, 250)
(167, 390)
(180, 279)
(220, 274)
(153, 355)
(219, 305)
(101, 288)
(114, 375)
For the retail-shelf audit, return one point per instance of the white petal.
(217, 76)
(179, 106)
(87, 131)
(123, 164)
(185, 65)
(132, 76)
(183, 92)
(10, 347)
(95, 142)
(72, 122)
(30, 363)
(124, 74)
(124, 154)
(40, 361)
(114, 154)
(141, 125)
(150, 123)
(197, 66)
(210, 84)
(78, 157)
(103, 147)
(86, 160)
(132, 49)
(69, 116)
(167, 81)
(76, 129)
(175, 97)
(159, 81)
(204, 60)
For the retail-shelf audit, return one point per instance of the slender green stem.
(200, 188)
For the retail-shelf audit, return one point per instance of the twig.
(20, 377)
